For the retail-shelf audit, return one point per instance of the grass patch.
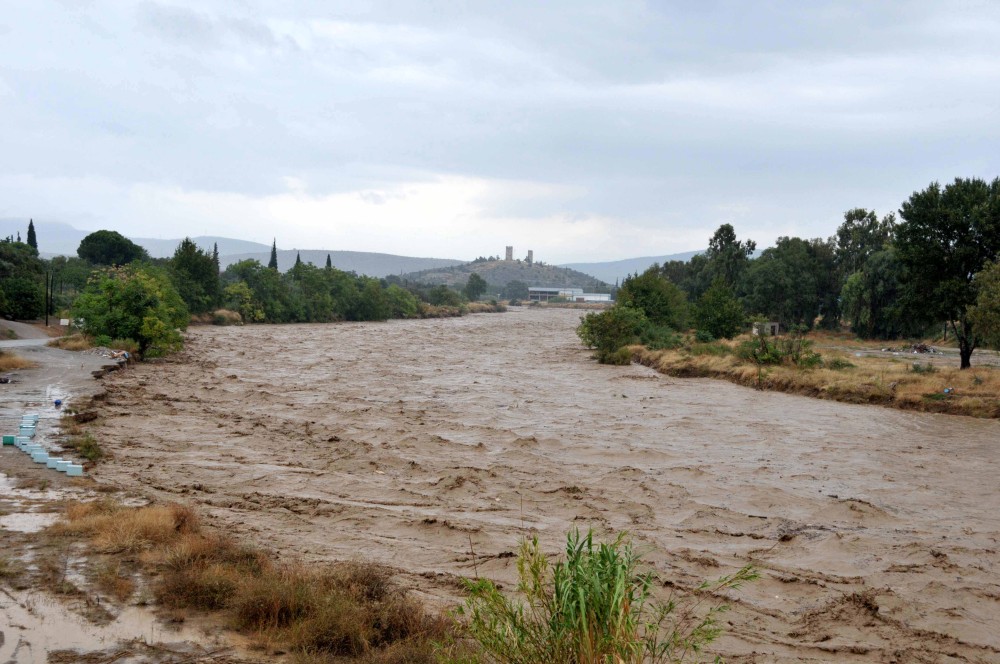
(11, 362)
(321, 612)
(76, 341)
(492, 307)
(870, 380)
(594, 605)
(86, 446)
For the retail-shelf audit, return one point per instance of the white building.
(546, 293)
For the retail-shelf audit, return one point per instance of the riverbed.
(434, 446)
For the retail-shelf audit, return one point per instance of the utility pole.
(48, 295)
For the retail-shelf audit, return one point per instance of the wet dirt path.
(414, 443)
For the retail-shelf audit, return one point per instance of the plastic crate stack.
(25, 434)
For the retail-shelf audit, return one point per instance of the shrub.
(595, 605)
(658, 298)
(703, 336)
(918, 368)
(793, 350)
(838, 363)
(609, 330)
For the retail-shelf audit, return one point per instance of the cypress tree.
(273, 263)
(32, 240)
(215, 256)
(298, 259)
(329, 263)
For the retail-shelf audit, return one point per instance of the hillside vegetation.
(498, 273)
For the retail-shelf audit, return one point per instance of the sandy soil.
(414, 443)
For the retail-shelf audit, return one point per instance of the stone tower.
(510, 254)
(531, 256)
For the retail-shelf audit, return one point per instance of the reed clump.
(76, 342)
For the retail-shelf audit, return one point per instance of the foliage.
(22, 278)
(515, 290)
(793, 282)
(728, 257)
(660, 300)
(871, 298)
(793, 350)
(32, 239)
(132, 302)
(475, 287)
(110, 248)
(272, 263)
(195, 275)
(596, 605)
(861, 235)
(718, 312)
(947, 236)
(985, 314)
(610, 330)
(441, 295)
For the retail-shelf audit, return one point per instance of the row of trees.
(121, 293)
(886, 278)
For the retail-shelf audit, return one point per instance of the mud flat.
(415, 443)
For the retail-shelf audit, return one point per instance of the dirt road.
(416, 442)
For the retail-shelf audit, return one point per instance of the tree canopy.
(947, 236)
(110, 248)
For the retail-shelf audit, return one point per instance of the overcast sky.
(584, 131)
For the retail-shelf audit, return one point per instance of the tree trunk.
(966, 342)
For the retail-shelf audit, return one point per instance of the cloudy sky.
(585, 131)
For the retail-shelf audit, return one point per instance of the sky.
(586, 131)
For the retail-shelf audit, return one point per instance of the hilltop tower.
(510, 254)
(531, 256)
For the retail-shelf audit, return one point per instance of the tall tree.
(215, 257)
(985, 314)
(32, 240)
(727, 256)
(196, 277)
(110, 248)
(948, 234)
(298, 258)
(659, 299)
(475, 287)
(860, 236)
(329, 263)
(273, 263)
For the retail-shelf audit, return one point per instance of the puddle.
(33, 624)
(28, 522)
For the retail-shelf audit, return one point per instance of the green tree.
(110, 248)
(475, 287)
(871, 298)
(329, 262)
(985, 314)
(719, 312)
(663, 303)
(137, 303)
(727, 256)
(791, 281)
(441, 295)
(515, 290)
(947, 236)
(273, 263)
(22, 278)
(195, 274)
(32, 239)
(861, 235)
(240, 298)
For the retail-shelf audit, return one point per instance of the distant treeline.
(120, 293)
(885, 278)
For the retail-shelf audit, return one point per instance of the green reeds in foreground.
(596, 606)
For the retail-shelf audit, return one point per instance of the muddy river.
(434, 446)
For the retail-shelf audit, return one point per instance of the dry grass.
(76, 341)
(10, 362)
(884, 381)
(320, 613)
(485, 307)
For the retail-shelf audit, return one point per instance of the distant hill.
(613, 271)
(362, 262)
(499, 273)
(54, 238)
(158, 248)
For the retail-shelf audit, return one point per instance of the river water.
(434, 446)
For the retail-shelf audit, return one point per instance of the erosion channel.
(434, 445)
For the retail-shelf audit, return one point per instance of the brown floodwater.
(435, 445)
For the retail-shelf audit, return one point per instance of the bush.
(704, 336)
(596, 605)
(918, 368)
(838, 363)
(609, 330)
(793, 350)
(658, 298)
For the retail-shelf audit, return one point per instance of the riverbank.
(907, 381)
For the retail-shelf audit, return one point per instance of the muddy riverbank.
(417, 443)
